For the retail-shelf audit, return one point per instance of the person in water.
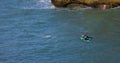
(86, 37)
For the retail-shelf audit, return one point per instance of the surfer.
(86, 37)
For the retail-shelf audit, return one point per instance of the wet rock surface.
(106, 4)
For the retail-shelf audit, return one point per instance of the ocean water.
(32, 31)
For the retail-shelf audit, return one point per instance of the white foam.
(46, 36)
(39, 4)
(45, 4)
(116, 7)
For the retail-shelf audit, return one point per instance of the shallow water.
(38, 35)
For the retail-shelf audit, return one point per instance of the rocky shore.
(101, 4)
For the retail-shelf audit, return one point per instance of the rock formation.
(102, 4)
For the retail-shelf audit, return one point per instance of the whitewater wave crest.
(39, 4)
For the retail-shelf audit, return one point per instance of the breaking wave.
(39, 4)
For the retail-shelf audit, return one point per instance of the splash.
(45, 4)
(39, 4)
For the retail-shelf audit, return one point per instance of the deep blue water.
(33, 33)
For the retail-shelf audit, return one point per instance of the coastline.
(105, 4)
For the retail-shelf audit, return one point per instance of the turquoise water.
(30, 34)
